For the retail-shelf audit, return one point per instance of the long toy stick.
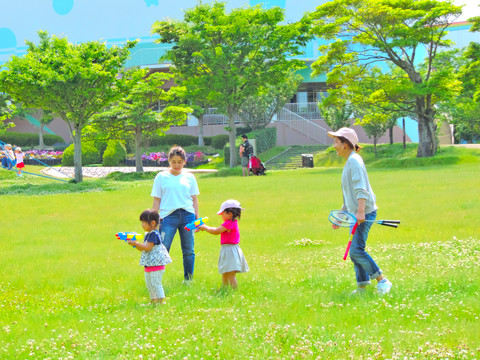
(354, 228)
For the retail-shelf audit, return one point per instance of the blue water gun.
(194, 225)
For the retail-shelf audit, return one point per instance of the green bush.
(226, 152)
(174, 139)
(29, 139)
(219, 141)
(114, 153)
(265, 138)
(90, 155)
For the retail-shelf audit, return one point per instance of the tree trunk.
(232, 135)
(390, 134)
(40, 137)
(201, 141)
(427, 138)
(77, 153)
(138, 152)
(375, 146)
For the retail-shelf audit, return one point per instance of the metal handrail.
(302, 125)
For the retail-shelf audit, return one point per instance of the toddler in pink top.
(231, 260)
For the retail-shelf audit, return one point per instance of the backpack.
(248, 150)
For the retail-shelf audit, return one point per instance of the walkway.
(98, 172)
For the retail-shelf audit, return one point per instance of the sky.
(470, 9)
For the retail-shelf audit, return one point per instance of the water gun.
(196, 223)
(127, 235)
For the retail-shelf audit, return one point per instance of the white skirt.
(231, 259)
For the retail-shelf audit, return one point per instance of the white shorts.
(153, 280)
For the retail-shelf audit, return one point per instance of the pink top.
(232, 236)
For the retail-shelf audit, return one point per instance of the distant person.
(154, 256)
(231, 260)
(359, 200)
(174, 195)
(246, 152)
(8, 161)
(19, 155)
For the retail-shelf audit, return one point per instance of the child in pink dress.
(231, 260)
(19, 155)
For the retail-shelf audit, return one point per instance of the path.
(97, 172)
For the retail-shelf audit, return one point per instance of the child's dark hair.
(236, 212)
(349, 144)
(150, 215)
(177, 151)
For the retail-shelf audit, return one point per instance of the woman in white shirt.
(174, 195)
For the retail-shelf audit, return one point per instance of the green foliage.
(90, 154)
(256, 49)
(174, 139)
(219, 141)
(29, 139)
(114, 154)
(265, 138)
(336, 115)
(384, 31)
(74, 81)
(226, 155)
(258, 110)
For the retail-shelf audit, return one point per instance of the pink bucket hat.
(347, 133)
(228, 204)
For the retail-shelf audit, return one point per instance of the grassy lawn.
(69, 289)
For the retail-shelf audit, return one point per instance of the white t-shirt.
(175, 191)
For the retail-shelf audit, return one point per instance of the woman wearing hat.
(359, 200)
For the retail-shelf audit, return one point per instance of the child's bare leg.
(157, 301)
(229, 279)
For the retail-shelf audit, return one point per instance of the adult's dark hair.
(236, 213)
(349, 144)
(150, 215)
(177, 151)
(244, 136)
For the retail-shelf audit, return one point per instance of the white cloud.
(469, 10)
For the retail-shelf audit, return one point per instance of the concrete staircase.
(291, 158)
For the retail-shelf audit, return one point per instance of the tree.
(336, 115)
(136, 114)
(74, 81)
(258, 110)
(367, 32)
(7, 109)
(231, 55)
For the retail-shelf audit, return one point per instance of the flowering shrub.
(42, 154)
(159, 156)
(163, 157)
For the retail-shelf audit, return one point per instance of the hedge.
(29, 139)
(265, 138)
(216, 142)
(90, 155)
(114, 154)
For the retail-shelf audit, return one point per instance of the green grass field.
(69, 289)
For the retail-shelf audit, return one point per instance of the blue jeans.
(365, 268)
(168, 228)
